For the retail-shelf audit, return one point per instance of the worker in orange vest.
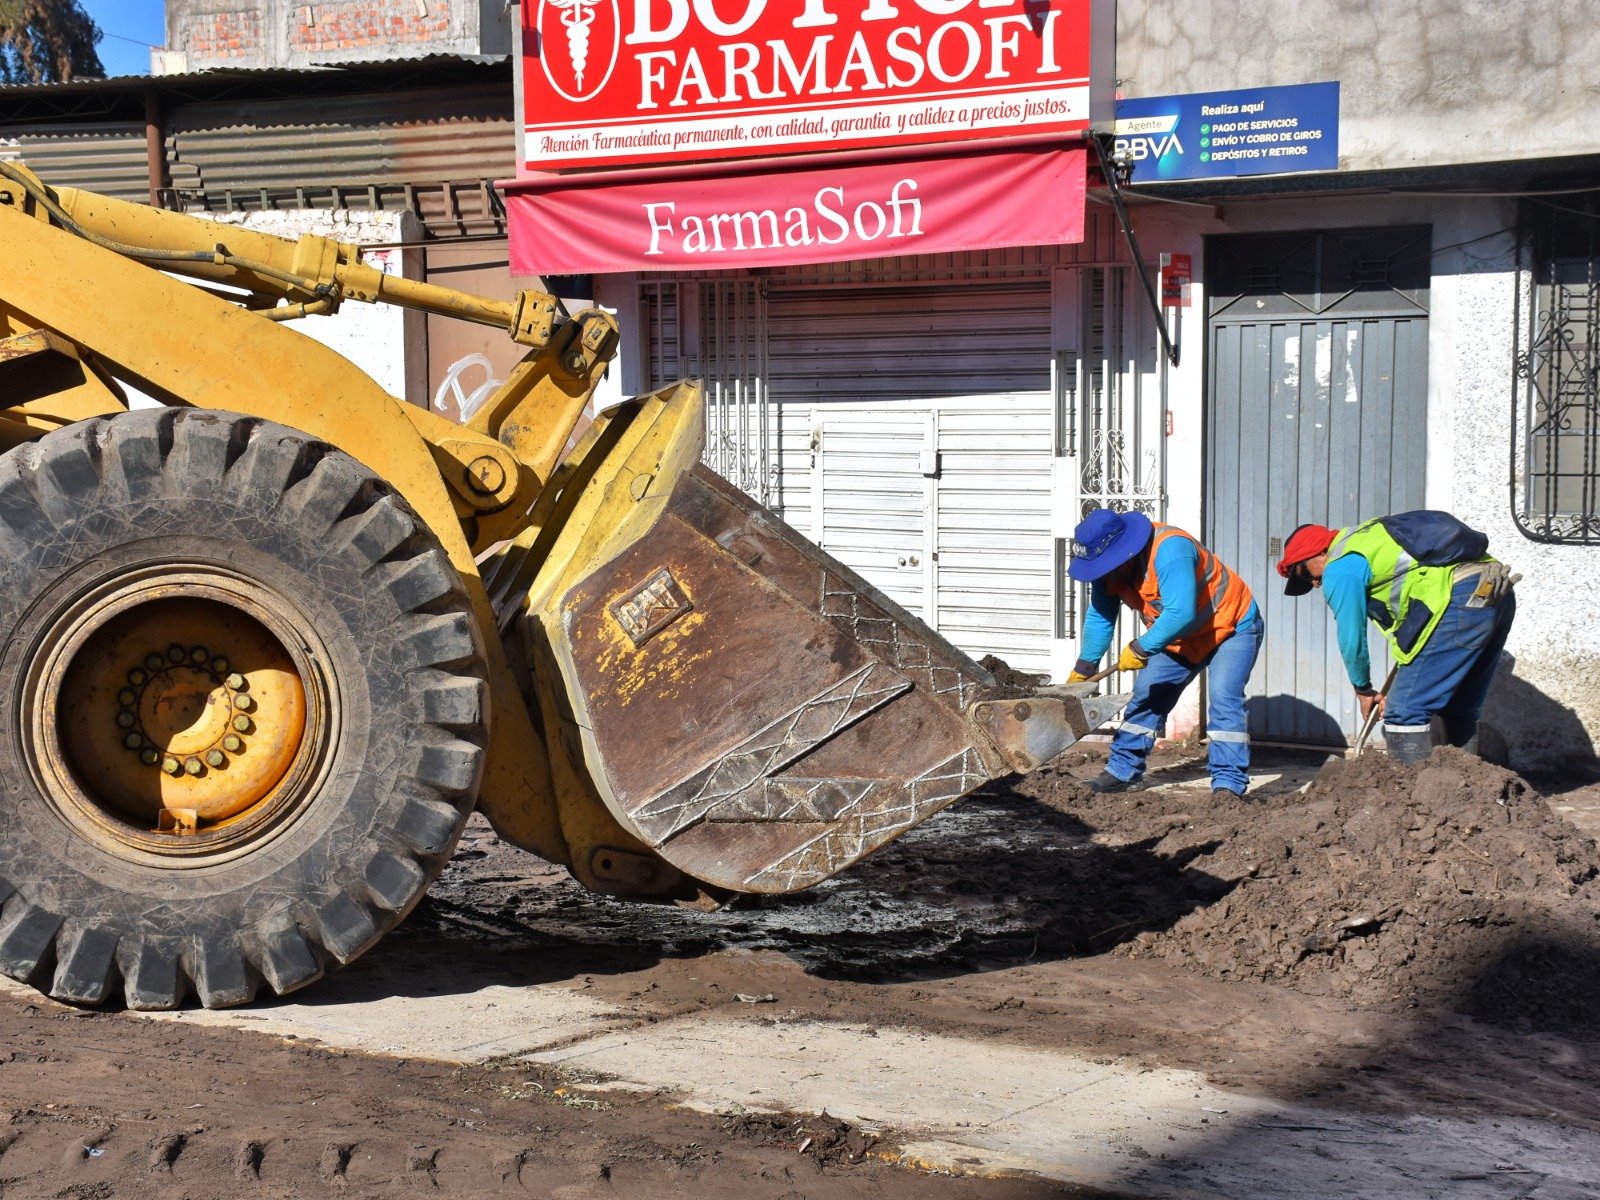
(1198, 616)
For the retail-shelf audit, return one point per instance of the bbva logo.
(578, 44)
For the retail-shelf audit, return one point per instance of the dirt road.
(107, 1106)
(966, 999)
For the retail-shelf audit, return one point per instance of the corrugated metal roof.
(344, 155)
(381, 137)
(142, 83)
(432, 105)
(399, 137)
(107, 158)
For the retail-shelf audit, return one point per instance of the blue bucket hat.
(1104, 540)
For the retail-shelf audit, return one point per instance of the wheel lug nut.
(136, 677)
(192, 765)
(242, 723)
(237, 681)
(199, 654)
(126, 697)
(154, 661)
(171, 765)
(243, 702)
(175, 653)
(126, 719)
(133, 741)
(149, 757)
(233, 743)
(219, 665)
(215, 758)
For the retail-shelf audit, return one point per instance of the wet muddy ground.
(1029, 917)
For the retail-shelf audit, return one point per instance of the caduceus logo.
(578, 44)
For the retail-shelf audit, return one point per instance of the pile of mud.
(1009, 678)
(826, 1140)
(1448, 883)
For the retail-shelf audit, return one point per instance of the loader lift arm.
(282, 280)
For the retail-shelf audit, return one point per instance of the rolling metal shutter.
(933, 397)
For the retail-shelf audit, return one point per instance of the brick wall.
(289, 33)
(225, 35)
(357, 24)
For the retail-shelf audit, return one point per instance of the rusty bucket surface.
(747, 706)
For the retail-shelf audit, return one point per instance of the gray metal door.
(1317, 412)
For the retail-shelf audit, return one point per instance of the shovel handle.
(1098, 675)
(1372, 717)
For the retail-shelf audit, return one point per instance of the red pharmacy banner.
(614, 82)
(566, 225)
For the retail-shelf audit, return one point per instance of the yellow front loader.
(264, 647)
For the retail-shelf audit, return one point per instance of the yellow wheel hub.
(186, 706)
(181, 715)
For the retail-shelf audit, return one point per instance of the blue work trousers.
(1155, 694)
(1451, 677)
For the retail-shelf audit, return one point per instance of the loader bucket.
(744, 704)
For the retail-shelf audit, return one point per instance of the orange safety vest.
(1221, 598)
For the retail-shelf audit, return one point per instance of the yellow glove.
(1081, 670)
(1076, 677)
(1133, 658)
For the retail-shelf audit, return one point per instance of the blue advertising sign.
(1215, 135)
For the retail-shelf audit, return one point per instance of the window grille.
(732, 363)
(1556, 423)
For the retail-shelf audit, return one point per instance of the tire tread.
(148, 457)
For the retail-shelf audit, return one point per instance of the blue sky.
(131, 27)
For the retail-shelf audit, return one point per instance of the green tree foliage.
(47, 41)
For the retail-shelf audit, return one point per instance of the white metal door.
(957, 378)
(993, 526)
(872, 498)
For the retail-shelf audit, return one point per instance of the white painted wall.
(1180, 229)
(1546, 700)
(373, 336)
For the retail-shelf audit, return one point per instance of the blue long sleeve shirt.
(1344, 586)
(1177, 564)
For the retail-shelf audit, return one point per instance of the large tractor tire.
(242, 709)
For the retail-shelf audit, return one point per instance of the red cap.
(1307, 541)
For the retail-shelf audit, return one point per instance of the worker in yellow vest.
(1426, 581)
(1198, 616)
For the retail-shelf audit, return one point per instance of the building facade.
(419, 141)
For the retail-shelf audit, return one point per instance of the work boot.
(1105, 783)
(1222, 795)
(1408, 749)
